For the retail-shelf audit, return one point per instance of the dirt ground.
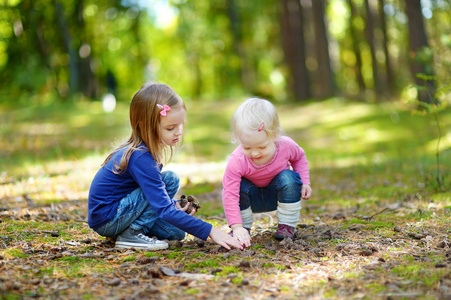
(48, 252)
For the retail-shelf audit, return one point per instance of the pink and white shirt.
(288, 155)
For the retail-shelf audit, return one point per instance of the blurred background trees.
(283, 50)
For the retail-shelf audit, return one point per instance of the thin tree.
(369, 32)
(293, 44)
(421, 66)
(356, 48)
(389, 76)
(74, 72)
(324, 72)
(87, 80)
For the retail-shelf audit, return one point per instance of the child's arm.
(297, 159)
(231, 193)
(230, 199)
(299, 163)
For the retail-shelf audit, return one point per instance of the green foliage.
(272, 265)
(198, 188)
(53, 51)
(420, 215)
(416, 273)
(174, 255)
(374, 225)
(15, 253)
(129, 258)
(368, 139)
(192, 291)
(376, 288)
(228, 270)
(351, 275)
(268, 252)
(70, 259)
(237, 280)
(151, 254)
(209, 263)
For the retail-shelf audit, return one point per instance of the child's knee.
(177, 235)
(289, 177)
(170, 178)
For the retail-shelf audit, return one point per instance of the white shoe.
(130, 238)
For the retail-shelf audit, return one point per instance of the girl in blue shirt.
(130, 198)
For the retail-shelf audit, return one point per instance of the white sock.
(289, 213)
(246, 216)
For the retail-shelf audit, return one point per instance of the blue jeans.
(134, 211)
(285, 188)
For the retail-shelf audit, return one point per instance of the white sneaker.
(130, 238)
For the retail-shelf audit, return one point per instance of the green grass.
(370, 153)
(15, 253)
(349, 137)
(204, 264)
(228, 270)
(363, 158)
(418, 273)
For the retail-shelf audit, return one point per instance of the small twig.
(378, 213)
(80, 220)
(53, 233)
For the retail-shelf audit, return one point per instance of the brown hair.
(145, 122)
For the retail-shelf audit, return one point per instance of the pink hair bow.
(164, 109)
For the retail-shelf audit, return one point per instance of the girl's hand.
(306, 192)
(179, 207)
(223, 239)
(241, 234)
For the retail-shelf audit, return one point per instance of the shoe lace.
(146, 238)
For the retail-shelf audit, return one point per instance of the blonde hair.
(145, 120)
(254, 114)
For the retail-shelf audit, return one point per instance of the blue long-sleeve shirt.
(108, 188)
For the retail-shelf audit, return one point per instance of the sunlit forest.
(363, 86)
(70, 68)
(287, 50)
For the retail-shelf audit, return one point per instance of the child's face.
(258, 146)
(171, 126)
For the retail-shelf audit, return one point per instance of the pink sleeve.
(299, 162)
(231, 192)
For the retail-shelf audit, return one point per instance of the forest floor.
(378, 225)
(357, 251)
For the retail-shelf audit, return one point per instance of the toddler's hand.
(306, 192)
(223, 239)
(242, 235)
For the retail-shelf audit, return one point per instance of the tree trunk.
(87, 80)
(74, 83)
(325, 75)
(369, 32)
(418, 41)
(293, 44)
(357, 53)
(390, 80)
(244, 72)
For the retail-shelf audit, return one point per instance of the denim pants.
(284, 188)
(134, 211)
